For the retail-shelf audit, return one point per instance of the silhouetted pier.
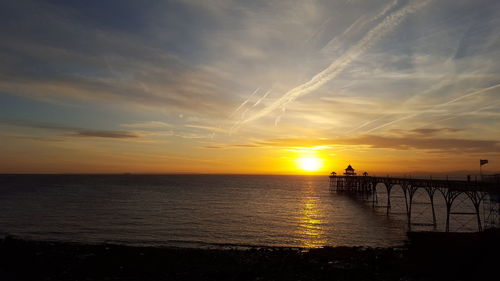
(478, 192)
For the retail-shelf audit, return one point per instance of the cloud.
(358, 65)
(104, 134)
(66, 57)
(148, 125)
(425, 132)
(233, 146)
(434, 131)
(434, 108)
(373, 36)
(207, 128)
(71, 131)
(182, 89)
(31, 138)
(424, 143)
(412, 140)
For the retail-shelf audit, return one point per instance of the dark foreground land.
(426, 257)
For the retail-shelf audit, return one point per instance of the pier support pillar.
(430, 192)
(374, 195)
(479, 226)
(389, 188)
(448, 209)
(411, 192)
(476, 198)
(449, 197)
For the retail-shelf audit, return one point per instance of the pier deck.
(479, 192)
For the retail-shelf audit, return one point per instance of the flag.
(482, 162)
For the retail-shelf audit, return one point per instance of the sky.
(258, 87)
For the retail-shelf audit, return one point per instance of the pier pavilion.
(484, 195)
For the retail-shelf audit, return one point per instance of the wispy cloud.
(370, 76)
(104, 134)
(428, 132)
(358, 26)
(148, 125)
(405, 142)
(320, 79)
(101, 66)
(71, 131)
(207, 128)
(432, 108)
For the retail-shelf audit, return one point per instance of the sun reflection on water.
(311, 226)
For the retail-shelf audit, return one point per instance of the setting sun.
(310, 164)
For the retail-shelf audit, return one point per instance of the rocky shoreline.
(425, 257)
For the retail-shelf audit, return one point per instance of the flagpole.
(481, 163)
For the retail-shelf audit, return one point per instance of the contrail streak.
(361, 22)
(366, 124)
(244, 103)
(320, 29)
(478, 92)
(261, 99)
(255, 104)
(320, 79)
(457, 115)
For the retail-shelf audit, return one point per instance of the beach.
(421, 259)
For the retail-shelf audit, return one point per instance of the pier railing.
(478, 193)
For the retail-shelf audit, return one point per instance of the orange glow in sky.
(310, 164)
(294, 87)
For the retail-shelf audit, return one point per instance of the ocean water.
(191, 211)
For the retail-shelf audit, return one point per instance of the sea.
(200, 211)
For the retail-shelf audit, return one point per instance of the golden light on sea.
(311, 229)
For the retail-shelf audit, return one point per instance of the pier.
(483, 195)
